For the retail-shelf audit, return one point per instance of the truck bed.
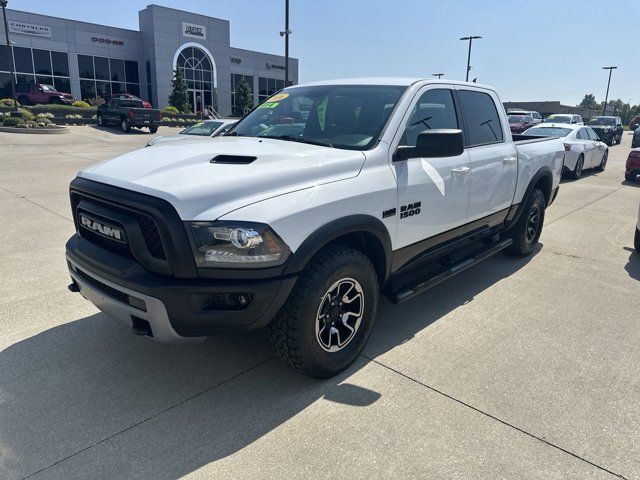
(522, 139)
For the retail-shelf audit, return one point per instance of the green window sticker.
(322, 111)
(269, 105)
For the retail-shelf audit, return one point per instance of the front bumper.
(176, 309)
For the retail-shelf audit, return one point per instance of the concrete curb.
(55, 130)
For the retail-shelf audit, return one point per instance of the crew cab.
(322, 198)
(35, 93)
(127, 114)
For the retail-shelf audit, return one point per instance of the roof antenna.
(475, 80)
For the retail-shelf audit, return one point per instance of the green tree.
(179, 97)
(589, 102)
(244, 100)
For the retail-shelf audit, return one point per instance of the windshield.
(340, 116)
(603, 121)
(516, 119)
(204, 129)
(548, 131)
(559, 119)
(48, 88)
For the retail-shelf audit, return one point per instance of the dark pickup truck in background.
(128, 114)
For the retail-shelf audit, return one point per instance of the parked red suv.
(632, 169)
(34, 93)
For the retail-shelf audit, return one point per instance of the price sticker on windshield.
(269, 105)
(278, 97)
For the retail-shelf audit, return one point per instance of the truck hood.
(182, 172)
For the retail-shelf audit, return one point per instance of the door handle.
(459, 171)
(509, 160)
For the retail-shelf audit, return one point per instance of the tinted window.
(582, 134)
(592, 135)
(131, 71)
(42, 61)
(5, 85)
(482, 118)
(60, 63)
(434, 109)
(117, 70)
(22, 59)
(85, 66)
(548, 131)
(4, 58)
(102, 68)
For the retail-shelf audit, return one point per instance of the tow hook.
(73, 287)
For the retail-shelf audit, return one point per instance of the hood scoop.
(233, 159)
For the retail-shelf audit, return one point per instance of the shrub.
(171, 109)
(31, 124)
(7, 102)
(12, 121)
(73, 116)
(26, 114)
(96, 101)
(43, 121)
(61, 110)
(80, 104)
(45, 116)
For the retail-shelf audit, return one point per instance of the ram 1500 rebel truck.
(323, 197)
(128, 113)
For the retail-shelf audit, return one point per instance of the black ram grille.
(147, 225)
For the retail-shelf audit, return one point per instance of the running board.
(405, 293)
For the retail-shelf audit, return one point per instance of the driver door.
(433, 193)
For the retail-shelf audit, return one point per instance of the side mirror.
(433, 143)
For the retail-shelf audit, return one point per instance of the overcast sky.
(531, 50)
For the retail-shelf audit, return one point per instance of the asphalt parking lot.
(514, 369)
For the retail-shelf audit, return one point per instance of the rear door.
(492, 154)
(582, 137)
(598, 147)
(433, 193)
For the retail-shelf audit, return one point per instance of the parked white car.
(208, 128)
(583, 148)
(564, 118)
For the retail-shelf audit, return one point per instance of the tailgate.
(144, 115)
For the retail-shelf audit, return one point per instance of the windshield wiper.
(291, 138)
(422, 120)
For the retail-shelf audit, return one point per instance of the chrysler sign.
(194, 31)
(29, 29)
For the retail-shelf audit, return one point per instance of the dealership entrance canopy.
(90, 60)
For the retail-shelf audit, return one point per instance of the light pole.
(606, 97)
(3, 4)
(471, 39)
(286, 34)
(439, 75)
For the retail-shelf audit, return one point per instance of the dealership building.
(90, 60)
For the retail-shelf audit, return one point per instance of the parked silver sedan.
(207, 128)
(583, 148)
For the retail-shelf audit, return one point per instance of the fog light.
(243, 300)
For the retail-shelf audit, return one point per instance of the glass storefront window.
(117, 70)
(101, 68)
(62, 84)
(60, 63)
(117, 88)
(5, 85)
(42, 62)
(131, 70)
(4, 59)
(22, 78)
(87, 89)
(85, 66)
(103, 89)
(198, 72)
(22, 60)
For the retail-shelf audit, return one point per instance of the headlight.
(236, 245)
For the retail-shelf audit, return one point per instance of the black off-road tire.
(524, 242)
(630, 177)
(293, 330)
(153, 129)
(125, 125)
(636, 240)
(577, 171)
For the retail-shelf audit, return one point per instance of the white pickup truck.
(320, 199)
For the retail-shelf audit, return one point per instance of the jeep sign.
(194, 31)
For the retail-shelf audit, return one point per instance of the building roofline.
(71, 20)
